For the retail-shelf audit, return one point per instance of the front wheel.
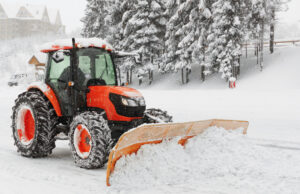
(153, 115)
(90, 140)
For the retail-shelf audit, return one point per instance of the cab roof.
(66, 44)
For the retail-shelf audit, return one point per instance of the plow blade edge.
(130, 142)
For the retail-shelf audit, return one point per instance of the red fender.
(49, 93)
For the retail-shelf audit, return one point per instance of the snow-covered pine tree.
(144, 28)
(182, 35)
(256, 19)
(189, 33)
(94, 20)
(170, 58)
(225, 38)
(89, 19)
(119, 14)
(200, 52)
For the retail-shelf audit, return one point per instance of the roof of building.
(29, 11)
(38, 58)
(2, 12)
(58, 21)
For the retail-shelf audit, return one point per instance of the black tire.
(44, 121)
(99, 140)
(153, 115)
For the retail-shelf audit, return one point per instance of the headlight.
(124, 101)
(129, 102)
(133, 102)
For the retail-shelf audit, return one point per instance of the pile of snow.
(217, 161)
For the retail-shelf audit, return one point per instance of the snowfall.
(266, 160)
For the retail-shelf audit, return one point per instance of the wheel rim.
(25, 125)
(82, 141)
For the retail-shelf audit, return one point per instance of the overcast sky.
(73, 10)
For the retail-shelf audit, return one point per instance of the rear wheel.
(153, 115)
(90, 140)
(33, 123)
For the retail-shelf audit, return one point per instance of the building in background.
(27, 20)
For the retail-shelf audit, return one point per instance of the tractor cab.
(79, 68)
(82, 77)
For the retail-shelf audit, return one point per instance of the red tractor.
(80, 98)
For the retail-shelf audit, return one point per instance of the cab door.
(58, 76)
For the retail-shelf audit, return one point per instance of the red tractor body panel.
(98, 97)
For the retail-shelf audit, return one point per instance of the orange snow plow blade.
(131, 141)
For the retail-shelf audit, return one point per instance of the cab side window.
(56, 69)
(85, 64)
(105, 69)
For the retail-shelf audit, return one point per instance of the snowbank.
(216, 161)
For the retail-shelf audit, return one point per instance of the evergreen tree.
(143, 32)
(119, 14)
(184, 35)
(172, 39)
(189, 35)
(205, 22)
(225, 37)
(94, 21)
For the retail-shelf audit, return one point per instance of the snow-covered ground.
(265, 161)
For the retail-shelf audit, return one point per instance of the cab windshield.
(96, 64)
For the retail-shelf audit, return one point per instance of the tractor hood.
(125, 91)
(119, 103)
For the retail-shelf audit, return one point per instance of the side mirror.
(58, 56)
(138, 58)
